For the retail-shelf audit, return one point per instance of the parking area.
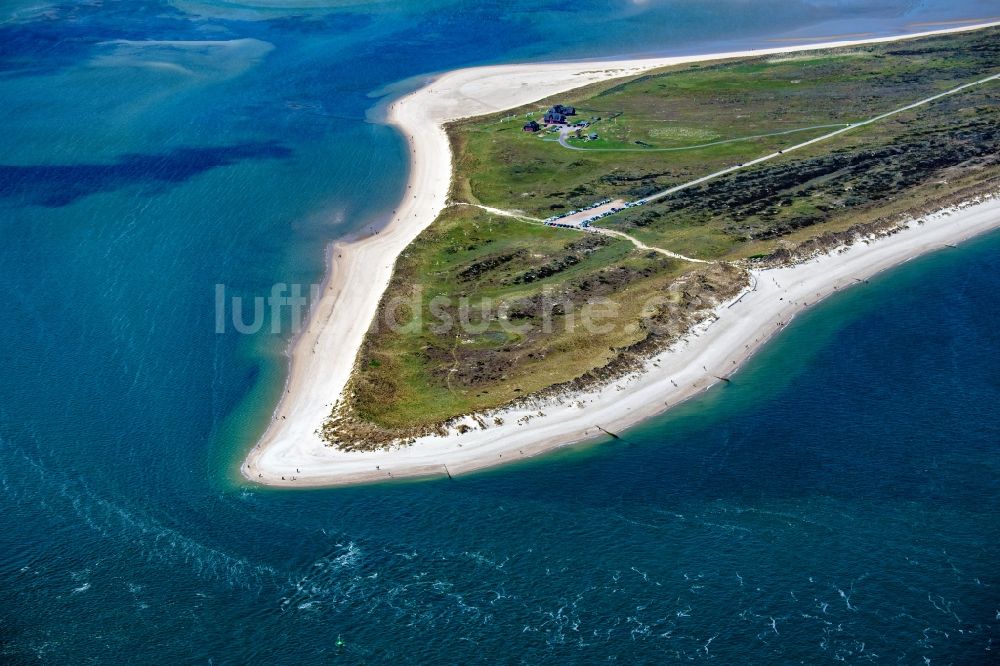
(581, 219)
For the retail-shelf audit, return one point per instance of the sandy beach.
(292, 454)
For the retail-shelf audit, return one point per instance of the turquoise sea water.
(837, 502)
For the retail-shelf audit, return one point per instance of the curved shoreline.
(291, 453)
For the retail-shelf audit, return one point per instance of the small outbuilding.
(531, 126)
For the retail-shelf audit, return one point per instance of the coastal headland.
(293, 451)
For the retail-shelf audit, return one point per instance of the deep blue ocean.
(839, 501)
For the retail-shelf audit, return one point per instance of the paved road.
(698, 181)
(825, 137)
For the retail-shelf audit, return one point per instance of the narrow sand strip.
(322, 357)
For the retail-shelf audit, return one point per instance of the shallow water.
(837, 501)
